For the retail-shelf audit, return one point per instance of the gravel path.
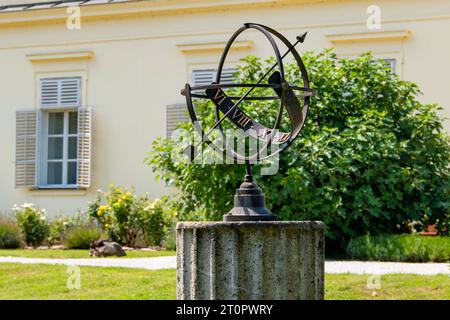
(370, 267)
(136, 263)
(357, 267)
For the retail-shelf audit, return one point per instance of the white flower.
(27, 205)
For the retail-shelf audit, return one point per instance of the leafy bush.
(119, 216)
(154, 223)
(32, 223)
(9, 235)
(369, 157)
(57, 228)
(127, 217)
(412, 248)
(60, 225)
(81, 237)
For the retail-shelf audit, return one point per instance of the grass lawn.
(75, 253)
(392, 287)
(21, 281)
(18, 281)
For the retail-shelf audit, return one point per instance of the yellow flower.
(101, 210)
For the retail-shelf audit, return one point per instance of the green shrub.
(120, 215)
(9, 235)
(154, 223)
(406, 247)
(57, 228)
(32, 223)
(369, 157)
(81, 237)
(60, 225)
(127, 217)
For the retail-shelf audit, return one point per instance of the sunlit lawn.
(392, 287)
(76, 253)
(19, 281)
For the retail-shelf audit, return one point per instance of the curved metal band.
(230, 42)
(224, 56)
(246, 85)
(278, 88)
(309, 94)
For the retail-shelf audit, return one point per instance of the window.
(53, 143)
(60, 149)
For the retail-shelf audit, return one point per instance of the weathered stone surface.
(250, 260)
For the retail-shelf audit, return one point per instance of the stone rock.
(106, 248)
(250, 260)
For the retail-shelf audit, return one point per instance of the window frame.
(43, 121)
(43, 152)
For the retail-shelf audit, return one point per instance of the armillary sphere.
(249, 203)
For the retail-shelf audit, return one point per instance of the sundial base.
(249, 204)
(250, 260)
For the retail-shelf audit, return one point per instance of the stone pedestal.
(250, 260)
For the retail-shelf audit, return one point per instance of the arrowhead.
(302, 37)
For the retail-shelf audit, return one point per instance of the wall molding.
(60, 56)
(369, 36)
(198, 46)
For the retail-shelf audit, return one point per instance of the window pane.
(54, 173)
(55, 148)
(72, 173)
(56, 123)
(73, 122)
(73, 144)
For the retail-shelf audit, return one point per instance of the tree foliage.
(369, 157)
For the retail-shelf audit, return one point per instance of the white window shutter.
(201, 77)
(84, 147)
(175, 114)
(70, 92)
(26, 148)
(49, 93)
(227, 75)
(60, 92)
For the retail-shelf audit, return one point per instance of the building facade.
(86, 86)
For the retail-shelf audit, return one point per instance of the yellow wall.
(136, 57)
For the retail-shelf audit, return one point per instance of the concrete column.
(250, 260)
